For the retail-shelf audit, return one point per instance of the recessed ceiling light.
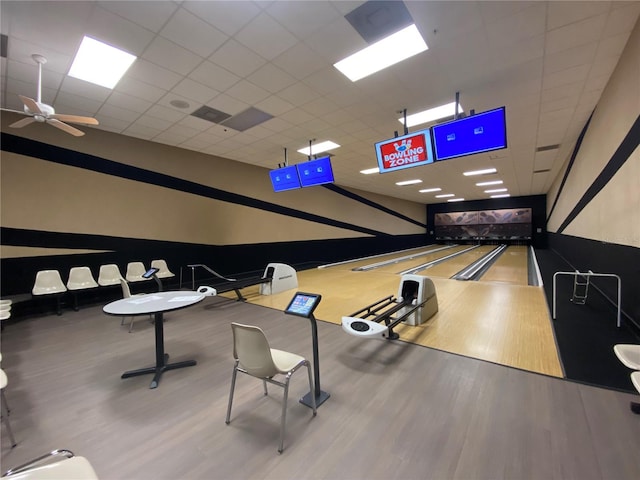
(436, 113)
(319, 148)
(408, 182)
(480, 172)
(495, 190)
(445, 195)
(455, 200)
(369, 171)
(428, 190)
(501, 195)
(99, 63)
(388, 51)
(492, 182)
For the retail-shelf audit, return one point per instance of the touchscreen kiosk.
(150, 273)
(303, 304)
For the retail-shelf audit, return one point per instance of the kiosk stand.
(302, 305)
(151, 273)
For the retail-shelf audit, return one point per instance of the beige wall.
(613, 216)
(45, 196)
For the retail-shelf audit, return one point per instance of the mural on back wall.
(508, 223)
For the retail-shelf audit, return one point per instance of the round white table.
(156, 304)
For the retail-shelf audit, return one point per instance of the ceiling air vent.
(247, 119)
(210, 114)
(547, 148)
(375, 20)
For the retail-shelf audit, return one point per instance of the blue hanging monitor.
(482, 132)
(285, 178)
(315, 172)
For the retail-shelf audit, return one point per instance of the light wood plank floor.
(503, 322)
(396, 411)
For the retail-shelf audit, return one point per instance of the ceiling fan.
(43, 113)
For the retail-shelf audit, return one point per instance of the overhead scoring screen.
(285, 178)
(407, 151)
(478, 133)
(315, 172)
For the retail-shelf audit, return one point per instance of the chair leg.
(6, 405)
(233, 386)
(264, 383)
(6, 420)
(131, 324)
(311, 389)
(284, 411)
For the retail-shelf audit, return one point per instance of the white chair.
(48, 282)
(256, 358)
(5, 309)
(80, 278)
(135, 271)
(629, 355)
(126, 293)
(163, 269)
(109, 274)
(4, 408)
(56, 465)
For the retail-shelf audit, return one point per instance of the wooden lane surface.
(454, 265)
(417, 253)
(510, 267)
(501, 323)
(416, 262)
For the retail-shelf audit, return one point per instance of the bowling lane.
(417, 252)
(416, 262)
(511, 267)
(450, 267)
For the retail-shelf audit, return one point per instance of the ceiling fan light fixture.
(99, 63)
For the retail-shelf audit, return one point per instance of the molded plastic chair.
(80, 278)
(135, 271)
(4, 408)
(56, 465)
(48, 282)
(628, 354)
(256, 358)
(126, 293)
(109, 274)
(163, 269)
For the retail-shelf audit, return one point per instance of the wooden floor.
(502, 320)
(396, 411)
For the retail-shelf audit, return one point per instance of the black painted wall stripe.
(621, 155)
(32, 148)
(358, 198)
(576, 149)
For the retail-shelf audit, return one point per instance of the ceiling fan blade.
(75, 119)
(22, 123)
(64, 127)
(31, 104)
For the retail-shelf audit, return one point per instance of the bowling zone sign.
(407, 151)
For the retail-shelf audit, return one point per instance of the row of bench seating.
(49, 282)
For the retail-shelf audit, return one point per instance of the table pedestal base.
(158, 370)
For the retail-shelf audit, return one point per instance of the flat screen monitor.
(411, 150)
(303, 304)
(150, 273)
(478, 133)
(285, 178)
(315, 172)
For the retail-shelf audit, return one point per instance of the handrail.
(35, 461)
(588, 274)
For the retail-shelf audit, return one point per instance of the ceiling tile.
(266, 37)
(194, 91)
(197, 36)
(237, 58)
(228, 16)
(271, 78)
(171, 56)
(151, 14)
(214, 76)
(153, 74)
